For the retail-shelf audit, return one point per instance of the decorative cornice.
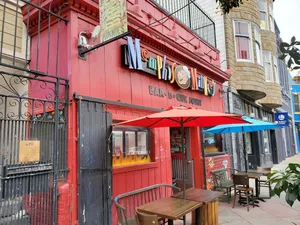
(163, 43)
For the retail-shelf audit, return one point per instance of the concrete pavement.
(274, 211)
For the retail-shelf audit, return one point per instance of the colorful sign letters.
(186, 78)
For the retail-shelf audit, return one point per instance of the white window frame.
(271, 66)
(276, 72)
(250, 41)
(271, 19)
(267, 15)
(257, 40)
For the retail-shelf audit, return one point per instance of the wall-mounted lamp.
(265, 119)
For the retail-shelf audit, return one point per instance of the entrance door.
(253, 157)
(95, 164)
(274, 145)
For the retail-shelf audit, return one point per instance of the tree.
(287, 181)
(290, 51)
(291, 54)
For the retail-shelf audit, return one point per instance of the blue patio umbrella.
(253, 126)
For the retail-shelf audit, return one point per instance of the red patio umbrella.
(184, 117)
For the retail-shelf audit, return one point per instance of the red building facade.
(192, 78)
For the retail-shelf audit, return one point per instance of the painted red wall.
(102, 76)
(214, 163)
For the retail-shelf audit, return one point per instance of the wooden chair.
(262, 182)
(223, 181)
(145, 219)
(241, 188)
(127, 203)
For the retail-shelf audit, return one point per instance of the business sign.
(282, 119)
(186, 78)
(113, 18)
(159, 92)
(29, 151)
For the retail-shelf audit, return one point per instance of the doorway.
(253, 152)
(176, 157)
(95, 164)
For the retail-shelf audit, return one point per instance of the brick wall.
(214, 163)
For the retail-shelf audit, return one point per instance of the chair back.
(240, 180)
(146, 219)
(219, 176)
(264, 170)
(127, 203)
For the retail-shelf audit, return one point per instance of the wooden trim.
(131, 168)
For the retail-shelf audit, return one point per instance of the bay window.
(263, 14)
(267, 61)
(258, 46)
(130, 146)
(276, 74)
(242, 40)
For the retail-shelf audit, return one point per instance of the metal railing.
(191, 16)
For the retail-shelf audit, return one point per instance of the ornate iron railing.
(191, 16)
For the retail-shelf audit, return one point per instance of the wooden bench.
(128, 202)
(223, 181)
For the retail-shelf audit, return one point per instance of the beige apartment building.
(246, 38)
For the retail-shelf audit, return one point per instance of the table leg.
(198, 216)
(170, 222)
(256, 188)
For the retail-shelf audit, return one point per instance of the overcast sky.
(286, 13)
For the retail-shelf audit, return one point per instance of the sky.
(286, 13)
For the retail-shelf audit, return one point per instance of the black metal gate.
(95, 164)
(33, 113)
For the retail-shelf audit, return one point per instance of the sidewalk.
(274, 211)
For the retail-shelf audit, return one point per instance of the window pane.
(248, 143)
(276, 75)
(242, 28)
(142, 143)
(266, 142)
(258, 53)
(117, 142)
(210, 143)
(263, 6)
(272, 25)
(263, 21)
(243, 48)
(130, 142)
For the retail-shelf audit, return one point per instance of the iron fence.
(191, 16)
(33, 112)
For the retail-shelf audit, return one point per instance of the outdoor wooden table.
(172, 208)
(209, 211)
(199, 195)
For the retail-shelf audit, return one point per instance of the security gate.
(33, 113)
(94, 164)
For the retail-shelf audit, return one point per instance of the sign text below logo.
(282, 119)
(186, 78)
(179, 97)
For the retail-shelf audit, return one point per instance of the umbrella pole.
(183, 158)
(245, 152)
